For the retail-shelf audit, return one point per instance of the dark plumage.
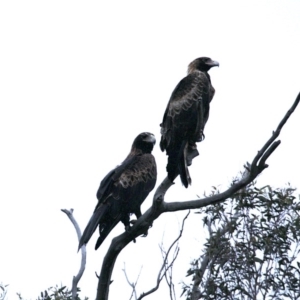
(123, 190)
(185, 118)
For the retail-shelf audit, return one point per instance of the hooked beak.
(151, 139)
(213, 63)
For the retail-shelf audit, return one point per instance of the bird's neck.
(134, 152)
(207, 75)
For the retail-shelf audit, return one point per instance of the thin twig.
(76, 278)
(169, 273)
(133, 284)
(161, 274)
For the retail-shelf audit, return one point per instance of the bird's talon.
(127, 228)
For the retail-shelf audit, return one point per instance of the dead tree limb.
(132, 284)
(76, 278)
(164, 268)
(160, 206)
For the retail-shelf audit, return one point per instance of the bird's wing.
(107, 183)
(105, 195)
(186, 108)
(142, 169)
(136, 182)
(131, 186)
(122, 191)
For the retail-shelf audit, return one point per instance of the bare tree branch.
(159, 206)
(164, 266)
(76, 278)
(169, 273)
(133, 284)
(3, 291)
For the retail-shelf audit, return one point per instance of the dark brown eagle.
(185, 118)
(123, 190)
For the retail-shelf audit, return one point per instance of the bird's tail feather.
(183, 169)
(177, 164)
(105, 232)
(91, 226)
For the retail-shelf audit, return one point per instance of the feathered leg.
(191, 153)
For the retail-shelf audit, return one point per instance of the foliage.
(252, 249)
(57, 293)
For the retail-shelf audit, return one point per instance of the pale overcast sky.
(80, 80)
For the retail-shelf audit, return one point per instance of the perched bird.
(123, 190)
(185, 118)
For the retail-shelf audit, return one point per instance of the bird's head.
(144, 143)
(202, 64)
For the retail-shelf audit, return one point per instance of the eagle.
(123, 190)
(185, 118)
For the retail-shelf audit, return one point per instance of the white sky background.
(80, 80)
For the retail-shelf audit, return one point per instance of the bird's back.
(121, 193)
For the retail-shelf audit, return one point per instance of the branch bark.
(159, 206)
(76, 278)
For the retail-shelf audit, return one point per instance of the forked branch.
(165, 266)
(160, 206)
